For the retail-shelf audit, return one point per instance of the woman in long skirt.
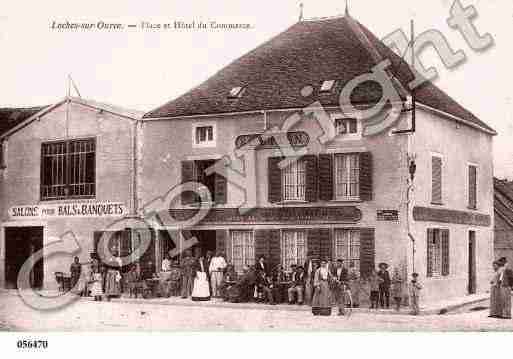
(354, 285)
(504, 289)
(96, 284)
(201, 289)
(322, 297)
(495, 291)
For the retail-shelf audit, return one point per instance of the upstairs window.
(436, 179)
(68, 169)
(472, 186)
(346, 126)
(196, 171)
(204, 135)
(294, 181)
(347, 176)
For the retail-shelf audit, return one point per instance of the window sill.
(346, 200)
(68, 199)
(201, 204)
(204, 145)
(293, 201)
(437, 203)
(472, 208)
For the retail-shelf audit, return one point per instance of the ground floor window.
(437, 252)
(347, 246)
(293, 248)
(243, 249)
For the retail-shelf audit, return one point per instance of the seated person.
(297, 287)
(175, 279)
(279, 287)
(247, 284)
(267, 286)
(231, 287)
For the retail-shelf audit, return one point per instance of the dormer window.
(236, 92)
(346, 126)
(327, 86)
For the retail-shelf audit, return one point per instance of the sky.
(142, 69)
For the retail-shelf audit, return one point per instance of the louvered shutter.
(325, 177)
(436, 180)
(311, 177)
(228, 247)
(221, 239)
(313, 243)
(472, 187)
(261, 243)
(367, 252)
(365, 176)
(429, 249)
(188, 175)
(220, 189)
(325, 243)
(274, 248)
(274, 179)
(445, 252)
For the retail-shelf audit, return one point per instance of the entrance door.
(20, 244)
(471, 262)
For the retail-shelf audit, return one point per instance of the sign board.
(67, 210)
(388, 215)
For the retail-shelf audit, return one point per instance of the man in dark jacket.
(384, 286)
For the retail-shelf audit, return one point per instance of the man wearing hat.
(384, 286)
(415, 288)
(309, 268)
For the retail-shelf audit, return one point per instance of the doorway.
(206, 241)
(471, 262)
(20, 244)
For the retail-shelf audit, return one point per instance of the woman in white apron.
(201, 290)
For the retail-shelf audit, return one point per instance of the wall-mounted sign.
(387, 215)
(81, 209)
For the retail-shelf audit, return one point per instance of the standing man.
(340, 271)
(261, 266)
(188, 274)
(415, 288)
(354, 284)
(384, 286)
(309, 277)
(216, 268)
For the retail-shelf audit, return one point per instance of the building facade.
(67, 175)
(503, 225)
(291, 172)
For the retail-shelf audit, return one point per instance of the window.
(68, 169)
(436, 180)
(196, 171)
(346, 126)
(294, 181)
(347, 246)
(347, 176)
(293, 248)
(243, 249)
(437, 252)
(327, 86)
(204, 135)
(472, 186)
(236, 92)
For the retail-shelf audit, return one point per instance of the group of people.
(500, 290)
(321, 284)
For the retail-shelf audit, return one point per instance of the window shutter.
(187, 176)
(325, 243)
(221, 239)
(228, 248)
(367, 252)
(436, 180)
(3, 163)
(365, 176)
(220, 189)
(445, 252)
(326, 177)
(274, 248)
(472, 187)
(429, 248)
(311, 177)
(274, 179)
(313, 243)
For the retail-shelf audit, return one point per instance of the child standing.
(374, 281)
(96, 283)
(397, 289)
(345, 299)
(415, 288)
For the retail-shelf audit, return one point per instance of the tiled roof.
(307, 53)
(503, 199)
(11, 117)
